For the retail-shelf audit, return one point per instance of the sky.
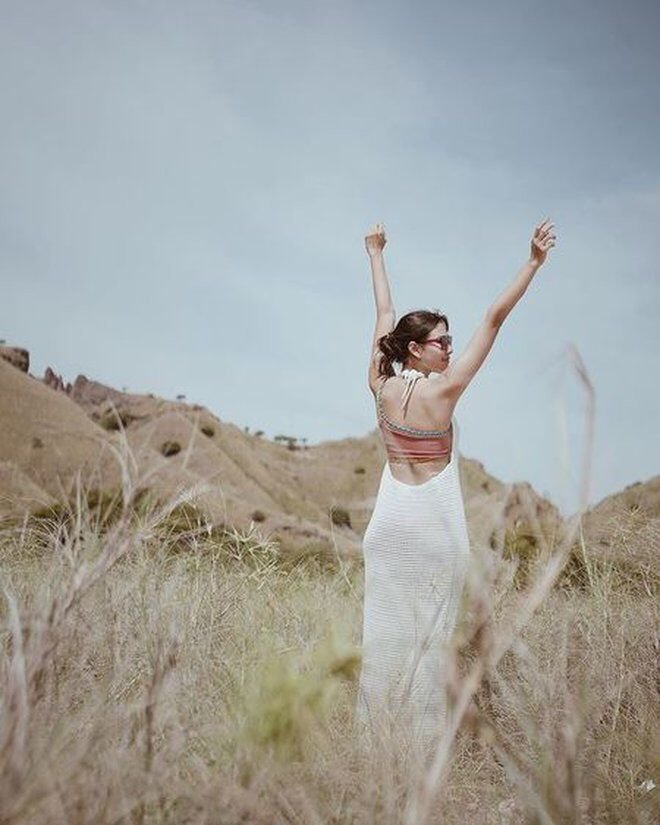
(186, 189)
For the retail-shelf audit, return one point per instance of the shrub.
(258, 515)
(185, 523)
(169, 448)
(290, 441)
(208, 430)
(359, 471)
(340, 516)
(115, 420)
(521, 545)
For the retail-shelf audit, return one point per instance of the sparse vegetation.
(177, 685)
(258, 515)
(208, 430)
(359, 471)
(290, 440)
(156, 667)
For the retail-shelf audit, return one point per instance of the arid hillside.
(56, 435)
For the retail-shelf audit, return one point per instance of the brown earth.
(320, 495)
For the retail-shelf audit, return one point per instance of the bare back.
(430, 407)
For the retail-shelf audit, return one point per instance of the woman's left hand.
(542, 241)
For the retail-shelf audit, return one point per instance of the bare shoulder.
(437, 384)
(445, 385)
(440, 393)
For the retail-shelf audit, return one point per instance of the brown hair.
(414, 326)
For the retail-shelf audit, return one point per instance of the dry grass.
(154, 669)
(153, 673)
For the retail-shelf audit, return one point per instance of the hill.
(318, 495)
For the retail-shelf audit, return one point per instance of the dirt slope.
(320, 494)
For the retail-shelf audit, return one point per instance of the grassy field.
(156, 671)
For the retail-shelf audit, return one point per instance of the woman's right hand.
(543, 240)
(375, 239)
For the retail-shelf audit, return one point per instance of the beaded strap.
(402, 427)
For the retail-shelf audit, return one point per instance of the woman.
(416, 547)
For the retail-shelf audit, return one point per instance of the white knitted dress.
(416, 556)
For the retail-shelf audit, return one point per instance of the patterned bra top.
(404, 443)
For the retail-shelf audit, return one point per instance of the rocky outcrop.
(111, 408)
(16, 356)
(523, 504)
(49, 439)
(91, 393)
(20, 358)
(55, 382)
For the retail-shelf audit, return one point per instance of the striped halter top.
(404, 443)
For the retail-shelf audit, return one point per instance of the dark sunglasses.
(443, 340)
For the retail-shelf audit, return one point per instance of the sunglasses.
(443, 340)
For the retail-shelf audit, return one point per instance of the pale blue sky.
(185, 190)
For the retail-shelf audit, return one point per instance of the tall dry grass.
(154, 669)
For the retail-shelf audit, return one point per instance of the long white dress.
(416, 556)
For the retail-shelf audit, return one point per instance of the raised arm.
(466, 366)
(375, 241)
(542, 240)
